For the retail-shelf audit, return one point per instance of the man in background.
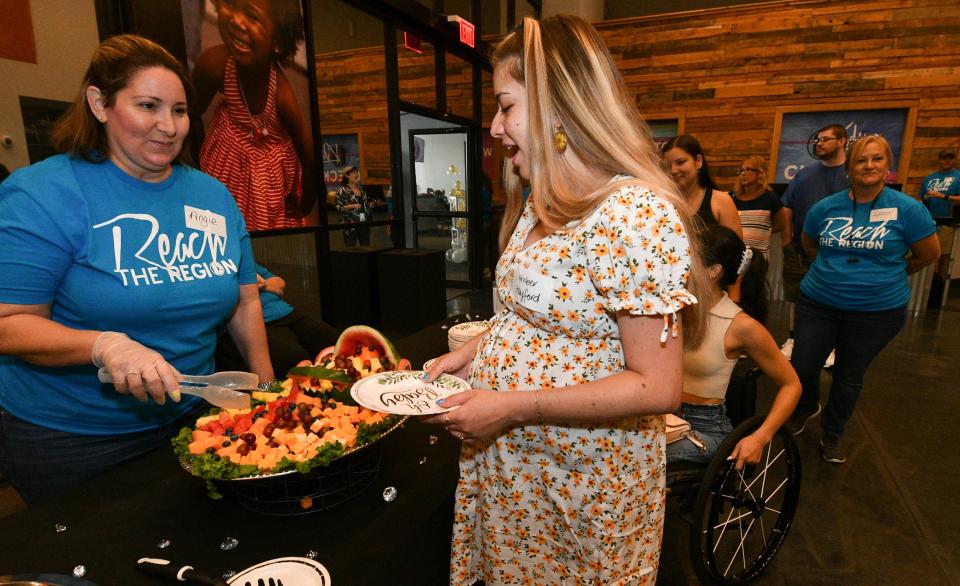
(940, 191)
(811, 184)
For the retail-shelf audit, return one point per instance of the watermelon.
(364, 337)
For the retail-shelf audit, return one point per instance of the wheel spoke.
(761, 473)
(772, 510)
(740, 551)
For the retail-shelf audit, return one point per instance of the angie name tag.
(532, 291)
(883, 215)
(205, 221)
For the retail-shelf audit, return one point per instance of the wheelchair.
(739, 520)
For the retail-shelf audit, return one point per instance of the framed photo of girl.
(248, 62)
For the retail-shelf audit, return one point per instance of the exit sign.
(466, 30)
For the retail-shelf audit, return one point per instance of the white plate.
(293, 571)
(403, 392)
(467, 330)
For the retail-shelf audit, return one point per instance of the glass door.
(442, 204)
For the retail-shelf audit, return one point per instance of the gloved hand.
(136, 369)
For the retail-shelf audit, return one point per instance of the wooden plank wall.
(725, 70)
(728, 70)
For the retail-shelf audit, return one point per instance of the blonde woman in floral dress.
(562, 466)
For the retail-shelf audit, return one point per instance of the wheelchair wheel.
(740, 519)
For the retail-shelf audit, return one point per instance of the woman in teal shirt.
(864, 242)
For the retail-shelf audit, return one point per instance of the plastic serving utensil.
(213, 394)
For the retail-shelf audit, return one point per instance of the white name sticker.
(883, 215)
(532, 290)
(363, 216)
(205, 221)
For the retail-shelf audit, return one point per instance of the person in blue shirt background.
(864, 241)
(811, 184)
(940, 191)
(292, 335)
(117, 255)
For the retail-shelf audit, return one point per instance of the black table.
(122, 515)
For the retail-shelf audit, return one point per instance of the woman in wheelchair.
(731, 331)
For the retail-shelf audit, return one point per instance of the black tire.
(753, 509)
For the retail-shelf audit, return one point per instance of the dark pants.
(290, 339)
(353, 236)
(41, 462)
(858, 337)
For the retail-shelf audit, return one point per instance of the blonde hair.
(759, 163)
(570, 77)
(857, 146)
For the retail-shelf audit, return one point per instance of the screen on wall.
(797, 128)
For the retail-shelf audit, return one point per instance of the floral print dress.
(577, 503)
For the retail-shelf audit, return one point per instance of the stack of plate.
(463, 332)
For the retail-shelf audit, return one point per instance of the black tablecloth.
(122, 515)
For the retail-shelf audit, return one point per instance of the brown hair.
(114, 63)
(569, 75)
(761, 165)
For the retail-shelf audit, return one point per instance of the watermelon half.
(363, 337)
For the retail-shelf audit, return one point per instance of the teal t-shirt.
(861, 263)
(161, 262)
(274, 307)
(945, 183)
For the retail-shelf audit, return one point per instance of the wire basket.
(302, 494)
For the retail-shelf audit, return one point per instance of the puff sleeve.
(639, 255)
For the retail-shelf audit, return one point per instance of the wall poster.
(663, 128)
(795, 127)
(39, 115)
(249, 67)
(339, 150)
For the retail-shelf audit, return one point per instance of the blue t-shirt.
(810, 185)
(274, 307)
(861, 264)
(945, 183)
(161, 262)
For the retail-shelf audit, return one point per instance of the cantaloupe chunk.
(196, 448)
(199, 434)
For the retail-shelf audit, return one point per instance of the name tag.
(205, 221)
(363, 216)
(532, 290)
(883, 215)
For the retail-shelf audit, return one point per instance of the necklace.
(853, 221)
(257, 128)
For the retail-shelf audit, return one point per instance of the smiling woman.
(125, 259)
(864, 241)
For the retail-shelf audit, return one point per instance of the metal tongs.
(217, 388)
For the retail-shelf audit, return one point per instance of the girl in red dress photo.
(258, 143)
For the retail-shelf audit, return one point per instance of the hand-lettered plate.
(293, 571)
(403, 392)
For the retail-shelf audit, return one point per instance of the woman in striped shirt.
(760, 209)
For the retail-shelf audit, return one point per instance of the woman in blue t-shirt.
(124, 258)
(864, 242)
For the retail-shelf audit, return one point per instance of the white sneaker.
(787, 348)
(829, 362)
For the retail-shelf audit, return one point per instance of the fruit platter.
(303, 422)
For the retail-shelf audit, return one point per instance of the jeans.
(795, 266)
(858, 337)
(39, 462)
(711, 425)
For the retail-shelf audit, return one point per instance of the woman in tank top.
(730, 332)
(684, 157)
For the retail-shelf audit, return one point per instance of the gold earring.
(560, 140)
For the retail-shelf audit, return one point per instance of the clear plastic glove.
(136, 369)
